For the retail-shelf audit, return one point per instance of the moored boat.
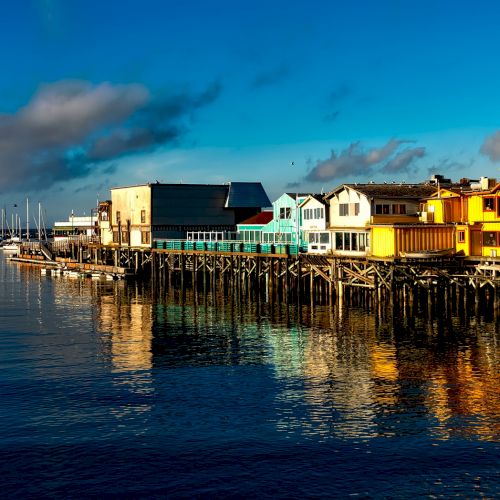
(427, 254)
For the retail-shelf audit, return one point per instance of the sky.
(299, 95)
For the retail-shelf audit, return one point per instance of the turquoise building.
(283, 226)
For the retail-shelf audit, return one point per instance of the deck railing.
(228, 246)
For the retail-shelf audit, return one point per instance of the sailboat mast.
(39, 226)
(27, 219)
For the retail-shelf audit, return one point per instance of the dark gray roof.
(247, 195)
(415, 191)
(300, 195)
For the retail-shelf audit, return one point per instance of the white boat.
(427, 254)
(10, 246)
(72, 274)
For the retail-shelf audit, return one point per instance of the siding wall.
(130, 201)
(313, 224)
(349, 196)
(392, 240)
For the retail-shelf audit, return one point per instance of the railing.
(228, 246)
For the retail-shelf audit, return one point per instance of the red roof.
(262, 218)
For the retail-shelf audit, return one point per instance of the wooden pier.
(302, 278)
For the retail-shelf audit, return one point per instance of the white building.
(356, 208)
(314, 224)
(76, 228)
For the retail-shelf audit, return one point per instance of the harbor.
(362, 243)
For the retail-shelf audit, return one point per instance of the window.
(355, 241)
(382, 209)
(351, 209)
(347, 241)
(339, 241)
(283, 238)
(116, 237)
(362, 242)
(118, 217)
(323, 238)
(399, 209)
(145, 237)
(461, 236)
(125, 237)
(488, 204)
(251, 236)
(319, 213)
(490, 239)
(285, 213)
(143, 216)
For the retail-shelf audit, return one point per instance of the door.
(475, 242)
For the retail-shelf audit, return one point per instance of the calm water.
(110, 390)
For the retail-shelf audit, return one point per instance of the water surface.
(112, 389)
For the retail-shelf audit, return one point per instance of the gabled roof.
(449, 192)
(297, 195)
(259, 219)
(409, 191)
(247, 195)
(318, 197)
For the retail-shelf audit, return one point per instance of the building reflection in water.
(124, 319)
(361, 378)
(351, 374)
(130, 326)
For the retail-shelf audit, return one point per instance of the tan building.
(138, 215)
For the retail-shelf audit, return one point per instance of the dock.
(440, 281)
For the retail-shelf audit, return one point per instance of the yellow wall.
(382, 241)
(445, 209)
(391, 241)
(490, 251)
(465, 246)
(476, 212)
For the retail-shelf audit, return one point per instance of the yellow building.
(473, 208)
(405, 240)
(446, 205)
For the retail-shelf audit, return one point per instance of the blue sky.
(98, 94)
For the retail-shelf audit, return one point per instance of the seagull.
(292, 163)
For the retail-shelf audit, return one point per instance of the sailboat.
(13, 243)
